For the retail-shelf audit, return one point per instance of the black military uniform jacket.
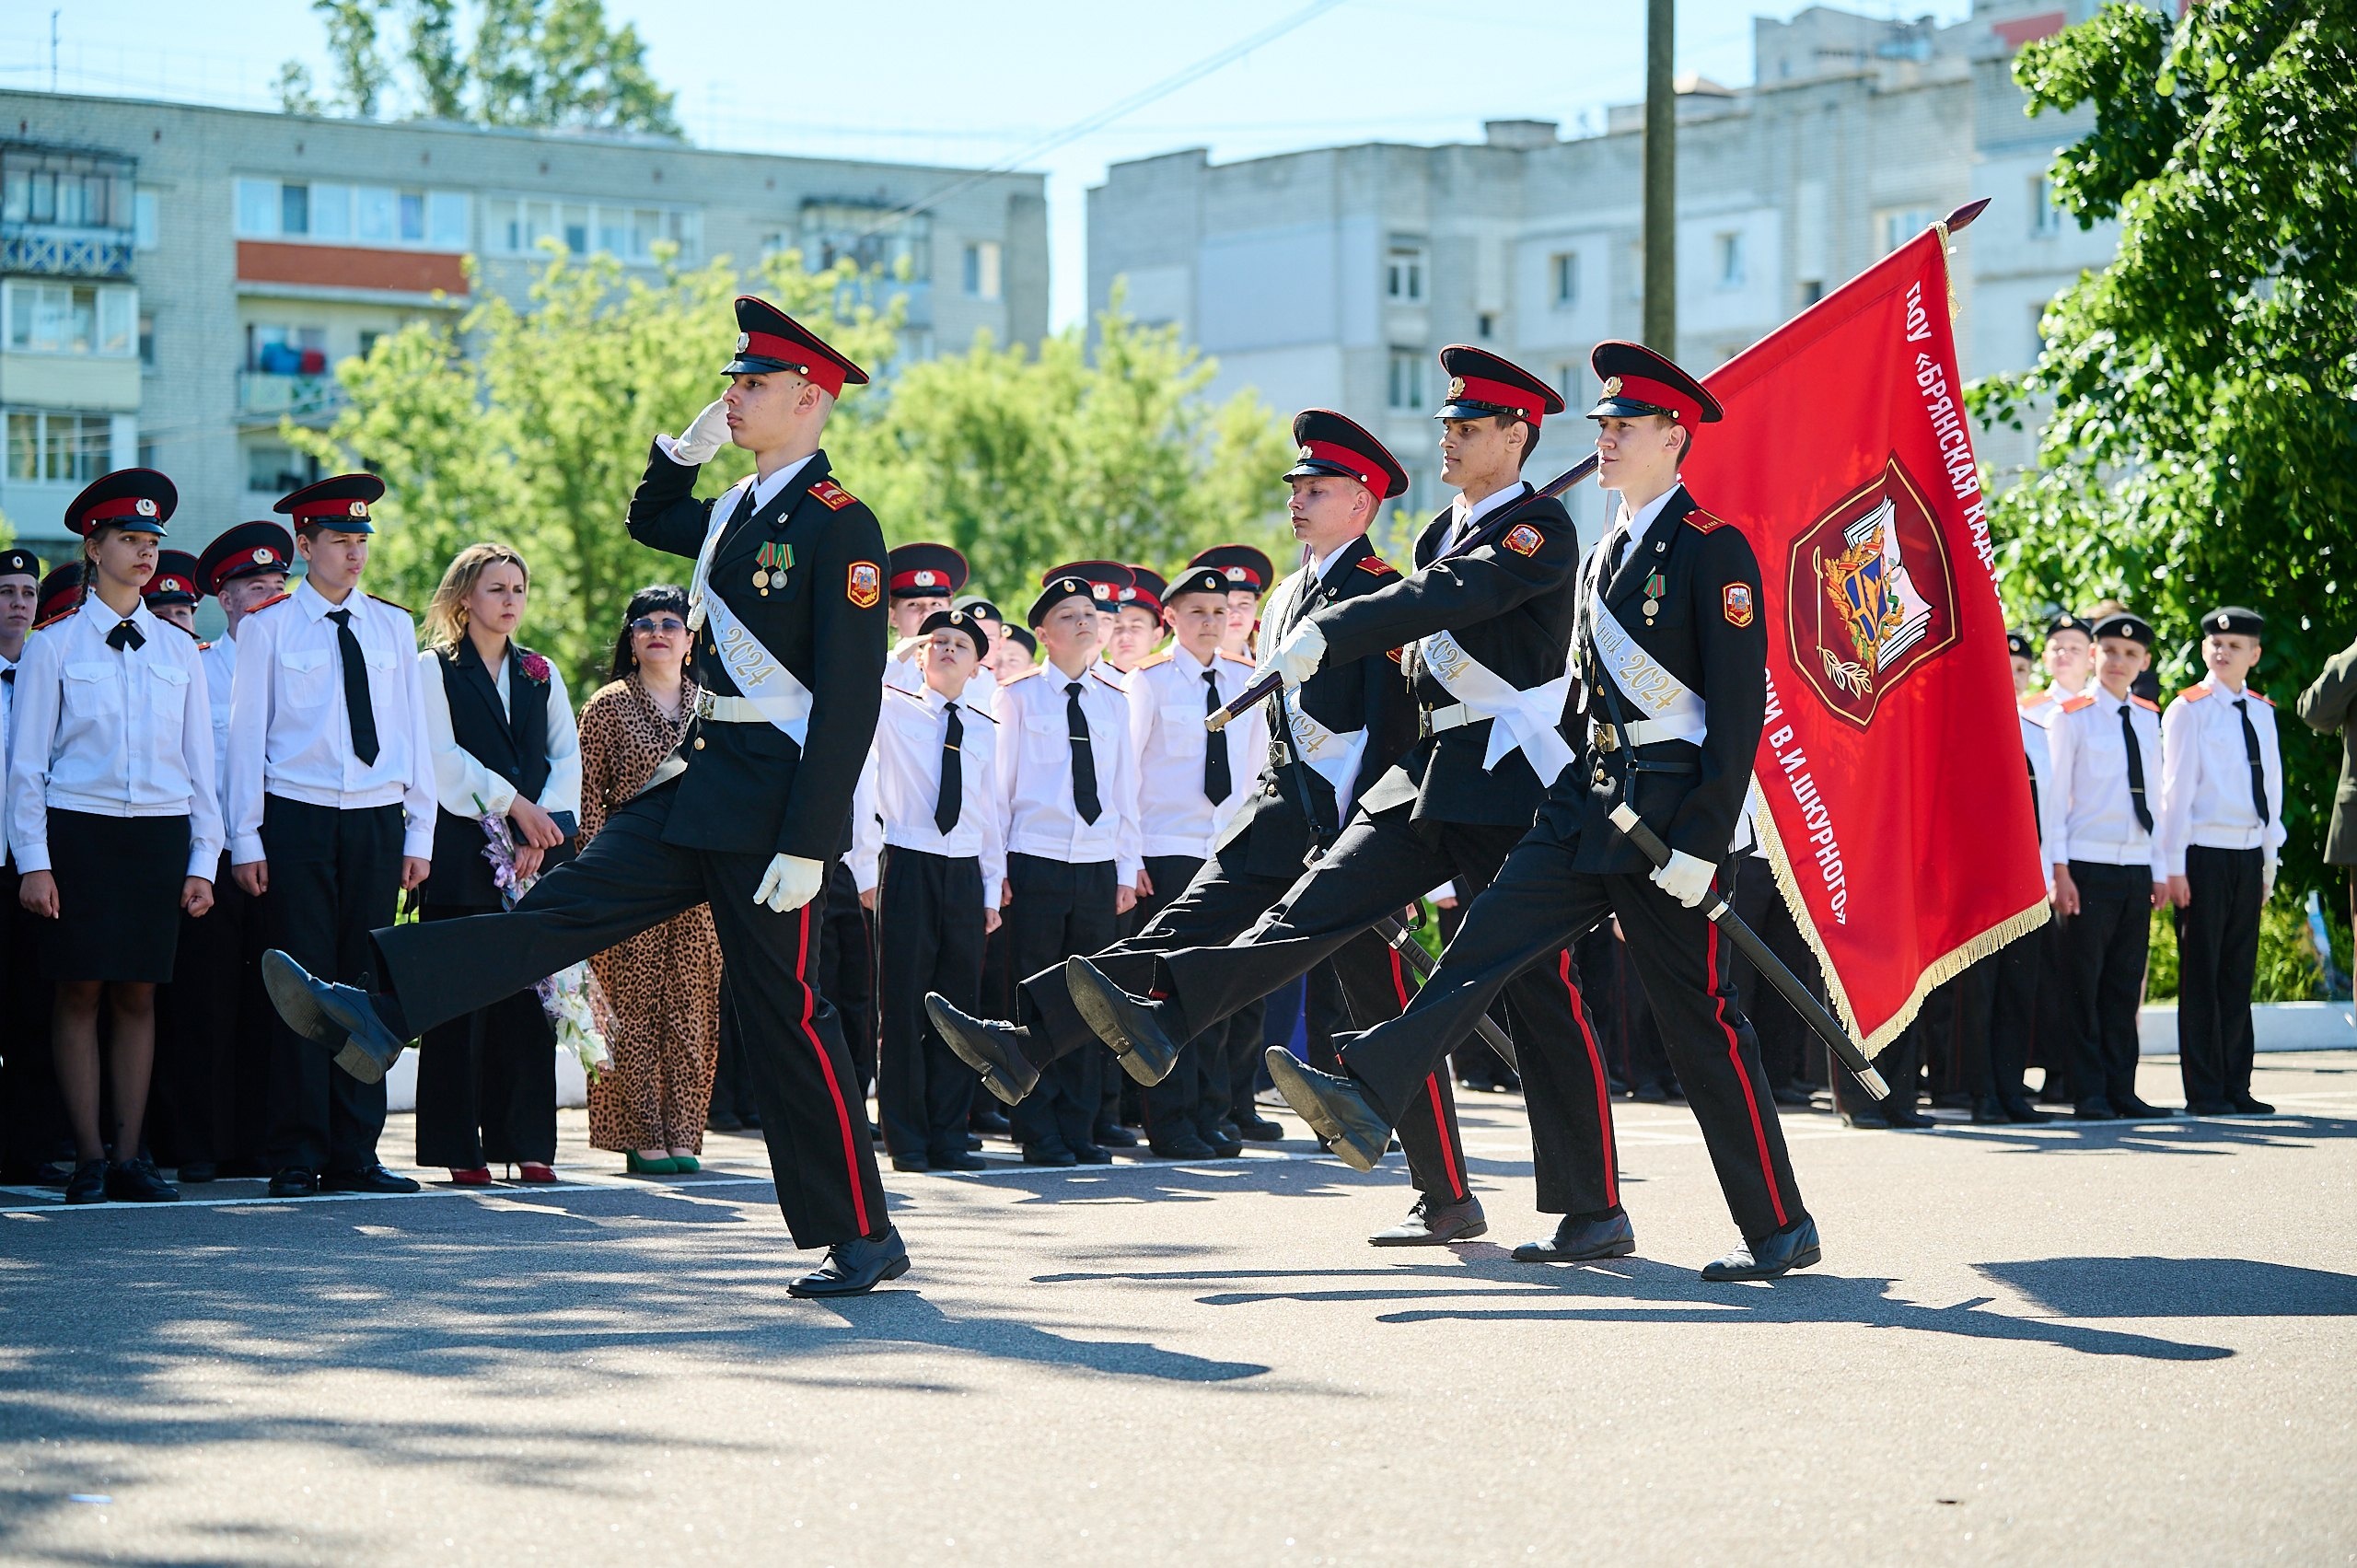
(747, 788)
(1269, 836)
(1708, 632)
(1507, 593)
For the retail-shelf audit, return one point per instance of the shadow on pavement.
(2176, 1288)
(2207, 1137)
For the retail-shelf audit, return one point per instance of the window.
(65, 190)
(2037, 331)
(348, 215)
(870, 236)
(1812, 290)
(1730, 254)
(445, 220)
(1563, 276)
(2045, 217)
(146, 341)
(47, 447)
(982, 270)
(1568, 379)
(142, 220)
(1404, 275)
(516, 226)
(279, 349)
(62, 318)
(1406, 389)
(368, 343)
(294, 209)
(1896, 226)
(276, 469)
(331, 211)
(1485, 325)
(257, 207)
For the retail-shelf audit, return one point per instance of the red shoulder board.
(1114, 684)
(1376, 565)
(2146, 703)
(2074, 704)
(2256, 698)
(1006, 681)
(402, 607)
(2193, 694)
(1702, 522)
(2032, 699)
(274, 599)
(1153, 659)
(203, 648)
(834, 494)
(69, 611)
(1233, 659)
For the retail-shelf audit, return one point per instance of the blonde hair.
(446, 614)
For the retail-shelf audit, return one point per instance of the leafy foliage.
(2201, 439)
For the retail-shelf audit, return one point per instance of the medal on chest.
(773, 563)
(1653, 591)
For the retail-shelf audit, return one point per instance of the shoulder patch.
(382, 600)
(1734, 602)
(1702, 522)
(2193, 694)
(2146, 703)
(834, 494)
(1523, 539)
(864, 584)
(1376, 565)
(2079, 703)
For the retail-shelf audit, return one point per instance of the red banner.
(1901, 824)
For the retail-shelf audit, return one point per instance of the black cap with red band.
(175, 579)
(1199, 580)
(769, 341)
(1328, 442)
(1148, 591)
(1637, 381)
(926, 570)
(138, 499)
(244, 551)
(1244, 567)
(59, 592)
(340, 502)
(1481, 386)
(1106, 580)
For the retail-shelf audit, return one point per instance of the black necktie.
(1216, 782)
(2135, 767)
(2258, 771)
(1084, 760)
(355, 688)
(126, 635)
(2031, 763)
(953, 778)
(8, 676)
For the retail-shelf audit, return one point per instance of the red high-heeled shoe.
(478, 1177)
(536, 1173)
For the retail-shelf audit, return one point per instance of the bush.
(2288, 971)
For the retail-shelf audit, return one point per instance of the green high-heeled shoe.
(640, 1166)
(686, 1164)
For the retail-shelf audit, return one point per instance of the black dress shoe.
(912, 1161)
(294, 1181)
(2247, 1106)
(1987, 1112)
(2022, 1112)
(2095, 1110)
(1255, 1128)
(372, 1178)
(1866, 1117)
(2209, 1107)
(1133, 1028)
(88, 1183)
(1089, 1154)
(1653, 1092)
(971, 1144)
(721, 1121)
(990, 1047)
(1049, 1153)
(958, 1159)
(196, 1173)
(1794, 1094)
(988, 1123)
(1335, 1108)
(1183, 1144)
(341, 1018)
(1435, 1222)
(1582, 1238)
(1779, 1252)
(1906, 1115)
(1113, 1135)
(138, 1181)
(1224, 1143)
(854, 1268)
(2144, 1111)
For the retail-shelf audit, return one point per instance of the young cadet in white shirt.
(2066, 660)
(1190, 785)
(330, 813)
(2221, 830)
(929, 854)
(112, 819)
(1069, 777)
(2110, 872)
(29, 1131)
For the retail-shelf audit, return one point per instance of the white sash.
(1522, 720)
(1666, 705)
(761, 678)
(723, 511)
(1332, 757)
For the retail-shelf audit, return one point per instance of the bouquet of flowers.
(574, 1001)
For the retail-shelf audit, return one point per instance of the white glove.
(2267, 883)
(1685, 878)
(1296, 659)
(705, 435)
(790, 882)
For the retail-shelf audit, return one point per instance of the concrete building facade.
(176, 280)
(1332, 276)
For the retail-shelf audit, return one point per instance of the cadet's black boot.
(1133, 1028)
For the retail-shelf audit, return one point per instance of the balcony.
(66, 213)
(53, 252)
(265, 399)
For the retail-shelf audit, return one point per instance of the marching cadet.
(331, 812)
(930, 859)
(1069, 777)
(1138, 619)
(2221, 830)
(2110, 871)
(113, 820)
(218, 1021)
(1489, 611)
(1672, 655)
(1250, 574)
(787, 608)
(1191, 784)
(1340, 730)
(29, 1107)
(172, 593)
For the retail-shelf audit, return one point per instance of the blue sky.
(932, 81)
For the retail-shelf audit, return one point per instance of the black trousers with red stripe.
(1537, 903)
(625, 882)
(1359, 984)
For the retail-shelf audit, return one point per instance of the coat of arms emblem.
(1870, 594)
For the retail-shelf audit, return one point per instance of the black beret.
(958, 621)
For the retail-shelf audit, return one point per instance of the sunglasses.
(668, 624)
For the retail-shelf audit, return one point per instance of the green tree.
(361, 75)
(438, 74)
(2200, 444)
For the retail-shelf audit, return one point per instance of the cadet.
(2016, 970)
(921, 579)
(2221, 830)
(112, 819)
(1249, 573)
(1138, 619)
(29, 1107)
(1672, 654)
(930, 858)
(172, 593)
(787, 608)
(2110, 869)
(331, 812)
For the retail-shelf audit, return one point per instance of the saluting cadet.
(921, 579)
(1191, 784)
(1250, 574)
(331, 812)
(112, 819)
(217, 1021)
(2110, 871)
(1484, 621)
(1069, 777)
(2221, 831)
(787, 608)
(172, 593)
(29, 1108)
(930, 858)
(1138, 617)
(1340, 730)
(1672, 657)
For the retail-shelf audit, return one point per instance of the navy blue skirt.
(119, 881)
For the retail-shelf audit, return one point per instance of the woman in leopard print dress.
(664, 984)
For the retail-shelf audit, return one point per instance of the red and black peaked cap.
(139, 499)
(926, 570)
(1245, 567)
(341, 504)
(175, 579)
(1481, 385)
(242, 550)
(1639, 381)
(1328, 442)
(769, 341)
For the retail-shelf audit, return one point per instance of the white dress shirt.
(114, 732)
(1466, 516)
(2040, 756)
(1166, 707)
(2095, 819)
(2041, 705)
(908, 675)
(288, 732)
(220, 661)
(1035, 772)
(468, 786)
(8, 707)
(2206, 792)
(901, 785)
